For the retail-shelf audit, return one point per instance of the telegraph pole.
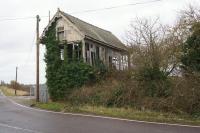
(49, 16)
(16, 82)
(37, 58)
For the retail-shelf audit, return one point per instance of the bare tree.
(152, 44)
(186, 19)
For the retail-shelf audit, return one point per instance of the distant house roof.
(93, 32)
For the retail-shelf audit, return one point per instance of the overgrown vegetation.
(65, 76)
(191, 69)
(164, 77)
(191, 50)
(128, 93)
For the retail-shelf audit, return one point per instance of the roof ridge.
(95, 32)
(86, 22)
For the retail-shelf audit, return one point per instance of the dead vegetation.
(156, 81)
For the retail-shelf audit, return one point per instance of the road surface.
(17, 119)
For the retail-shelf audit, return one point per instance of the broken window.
(70, 51)
(87, 47)
(116, 63)
(77, 50)
(87, 53)
(110, 61)
(93, 56)
(73, 51)
(97, 52)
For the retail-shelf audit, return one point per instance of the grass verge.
(127, 113)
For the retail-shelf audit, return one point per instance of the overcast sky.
(17, 37)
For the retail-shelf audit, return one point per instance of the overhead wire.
(86, 11)
(113, 7)
(22, 18)
(78, 12)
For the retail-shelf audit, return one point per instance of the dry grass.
(128, 113)
(11, 92)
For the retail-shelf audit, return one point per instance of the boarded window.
(61, 33)
(61, 36)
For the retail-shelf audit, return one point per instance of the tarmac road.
(17, 119)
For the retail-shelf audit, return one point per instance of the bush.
(154, 82)
(77, 74)
(119, 90)
(117, 97)
(69, 77)
(116, 90)
(191, 50)
(187, 94)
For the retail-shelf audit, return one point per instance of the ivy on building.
(63, 76)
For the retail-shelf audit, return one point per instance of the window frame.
(61, 31)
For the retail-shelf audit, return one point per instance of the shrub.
(191, 50)
(116, 97)
(154, 82)
(186, 95)
(69, 77)
(115, 90)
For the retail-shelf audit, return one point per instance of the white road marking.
(18, 128)
(102, 117)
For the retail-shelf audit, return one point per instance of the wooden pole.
(16, 82)
(37, 58)
(49, 16)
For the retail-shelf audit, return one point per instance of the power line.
(113, 7)
(23, 18)
(84, 11)
(9, 19)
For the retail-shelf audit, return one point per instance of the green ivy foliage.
(191, 50)
(53, 63)
(63, 76)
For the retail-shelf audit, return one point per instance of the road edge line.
(102, 117)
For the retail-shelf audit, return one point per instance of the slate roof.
(96, 33)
